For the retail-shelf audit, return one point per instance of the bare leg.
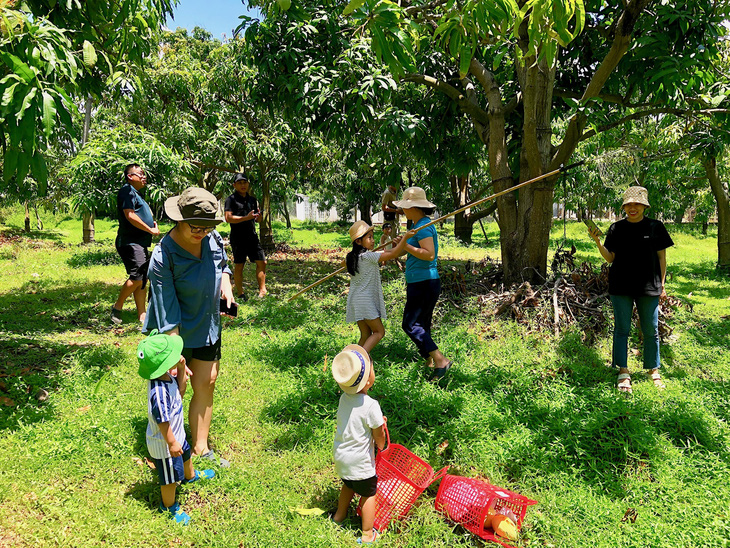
(238, 279)
(367, 512)
(129, 287)
(261, 277)
(140, 296)
(377, 332)
(365, 332)
(168, 494)
(201, 404)
(189, 469)
(343, 504)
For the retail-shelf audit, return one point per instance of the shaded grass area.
(533, 413)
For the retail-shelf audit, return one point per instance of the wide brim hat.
(359, 229)
(195, 205)
(414, 196)
(158, 353)
(351, 368)
(636, 195)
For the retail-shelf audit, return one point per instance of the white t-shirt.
(354, 452)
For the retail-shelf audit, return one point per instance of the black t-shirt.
(241, 206)
(635, 270)
(129, 198)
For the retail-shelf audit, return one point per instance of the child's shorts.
(364, 488)
(172, 469)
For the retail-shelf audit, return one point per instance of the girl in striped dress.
(365, 303)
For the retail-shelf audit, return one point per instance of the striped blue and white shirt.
(164, 404)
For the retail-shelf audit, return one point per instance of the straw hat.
(158, 353)
(195, 205)
(636, 195)
(359, 229)
(414, 197)
(351, 368)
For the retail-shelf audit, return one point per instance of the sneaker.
(199, 475)
(210, 455)
(177, 514)
(116, 316)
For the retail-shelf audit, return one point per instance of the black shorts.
(250, 250)
(364, 488)
(388, 216)
(136, 260)
(210, 353)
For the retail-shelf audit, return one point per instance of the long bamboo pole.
(456, 212)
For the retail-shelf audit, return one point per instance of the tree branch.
(453, 93)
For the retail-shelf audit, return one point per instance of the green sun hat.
(158, 353)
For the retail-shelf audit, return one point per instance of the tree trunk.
(266, 231)
(27, 217)
(88, 225)
(722, 197)
(285, 209)
(364, 204)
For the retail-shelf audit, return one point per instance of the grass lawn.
(536, 414)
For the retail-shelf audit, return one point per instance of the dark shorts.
(388, 216)
(250, 250)
(364, 488)
(210, 353)
(136, 260)
(172, 469)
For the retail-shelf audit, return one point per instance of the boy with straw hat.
(161, 363)
(360, 425)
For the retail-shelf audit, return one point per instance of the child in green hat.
(161, 363)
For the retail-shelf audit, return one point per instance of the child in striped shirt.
(161, 363)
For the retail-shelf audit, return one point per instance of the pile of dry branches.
(578, 296)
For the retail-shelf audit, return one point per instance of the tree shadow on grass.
(94, 256)
(27, 238)
(147, 489)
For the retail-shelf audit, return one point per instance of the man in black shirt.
(242, 211)
(136, 228)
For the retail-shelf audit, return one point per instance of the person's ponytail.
(353, 257)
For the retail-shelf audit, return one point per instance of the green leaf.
(352, 6)
(49, 113)
(464, 60)
(10, 163)
(90, 57)
(40, 172)
(26, 103)
(8, 95)
(18, 67)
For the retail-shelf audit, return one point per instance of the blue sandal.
(199, 475)
(376, 536)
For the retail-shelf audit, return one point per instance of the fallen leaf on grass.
(307, 511)
(265, 334)
(325, 364)
(442, 447)
(4, 400)
(83, 409)
(630, 515)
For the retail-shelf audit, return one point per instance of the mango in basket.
(504, 527)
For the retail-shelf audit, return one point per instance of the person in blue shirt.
(423, 285)
(189, 279)
(134, 236)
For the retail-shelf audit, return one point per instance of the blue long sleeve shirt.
(185, 291)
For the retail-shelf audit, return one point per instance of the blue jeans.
(648, 309)
(421, 299)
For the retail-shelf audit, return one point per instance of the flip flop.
(376, 536)
(624, 383)
(439, 372)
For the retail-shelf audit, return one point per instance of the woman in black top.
(636, 248)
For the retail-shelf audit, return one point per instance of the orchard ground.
(536, 414)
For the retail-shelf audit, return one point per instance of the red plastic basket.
(466, 500)
(402, 477)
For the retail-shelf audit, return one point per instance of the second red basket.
(402, 477)
(466, 501)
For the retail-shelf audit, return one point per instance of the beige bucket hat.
(359, 229)
(636, 195)
(414, 196)
(351, 368)
(195, 205)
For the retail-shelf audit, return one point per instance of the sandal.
(624, 383)
(376, 536)
(199, 475)
(657, 379)
(439, 372)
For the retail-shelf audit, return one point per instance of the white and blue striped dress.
(365, 299)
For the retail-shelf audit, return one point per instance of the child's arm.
(379, 434)
(182, 376)
(172, 443)
(399, 249)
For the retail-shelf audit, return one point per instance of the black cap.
(240, 177)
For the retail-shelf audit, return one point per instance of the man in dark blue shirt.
(136, 228)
